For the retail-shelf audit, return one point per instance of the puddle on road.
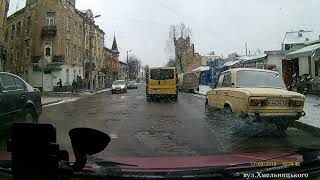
(239, 135)
(162, 143)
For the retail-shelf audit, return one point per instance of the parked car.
(258, 93)
(132, 85)
(18, 99)
(119, 86)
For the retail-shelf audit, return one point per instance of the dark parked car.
(132, 85)
(18, 99)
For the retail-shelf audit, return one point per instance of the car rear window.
(161, 74)
(259, 79)
(118, 83)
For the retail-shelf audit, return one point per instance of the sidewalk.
(312, 109)
(60, 97)
(50, 100)
(80, 93)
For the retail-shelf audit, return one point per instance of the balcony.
(58, 59)
(49, 31)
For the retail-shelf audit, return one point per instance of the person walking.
(60, 85)
(74, 86)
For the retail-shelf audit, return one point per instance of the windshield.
(114, 66)
(118, 83)
(259, 79)
(161, 74)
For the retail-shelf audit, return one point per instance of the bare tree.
(175, 32)
(134, 64)
(171, 63)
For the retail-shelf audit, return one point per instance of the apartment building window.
(19, 29)
(18, 55)
(74, 74)
(75, 28)
(28, 26)
(6, 35)
(75, 52)
(68, 23)
(27, 52)
(80, 54)
(50, 19)
(67, 76)
(27, 42)
(67, 50)
(48, 48)
(13, 31)
(317, 68)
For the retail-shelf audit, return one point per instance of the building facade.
(4, 7)
(112, 65)
(57, 32)
(186, 58)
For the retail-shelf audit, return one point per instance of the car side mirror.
(86, 141)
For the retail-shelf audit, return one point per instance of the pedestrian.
(74, 86)
(60, 85)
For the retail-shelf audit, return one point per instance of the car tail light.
(258, 102)
(296, 103)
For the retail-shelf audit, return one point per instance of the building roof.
(231, 63)
(250, 69)
(306, 51)
(278, 52)
(201, 69)
(299, 37)
(251, 57)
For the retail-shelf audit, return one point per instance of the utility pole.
(128, 72)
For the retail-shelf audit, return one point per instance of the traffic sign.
(43, 63)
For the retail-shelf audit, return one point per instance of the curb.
(53, 102)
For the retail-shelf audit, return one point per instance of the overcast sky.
(219, 25)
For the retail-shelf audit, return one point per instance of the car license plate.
(278, 103)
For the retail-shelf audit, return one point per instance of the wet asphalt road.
(163, 128)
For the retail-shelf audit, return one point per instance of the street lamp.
(90, 18)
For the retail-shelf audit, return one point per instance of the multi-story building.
(57, 32)
(111, 57)
(4, 7)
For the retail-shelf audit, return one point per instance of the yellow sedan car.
(258, 93)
